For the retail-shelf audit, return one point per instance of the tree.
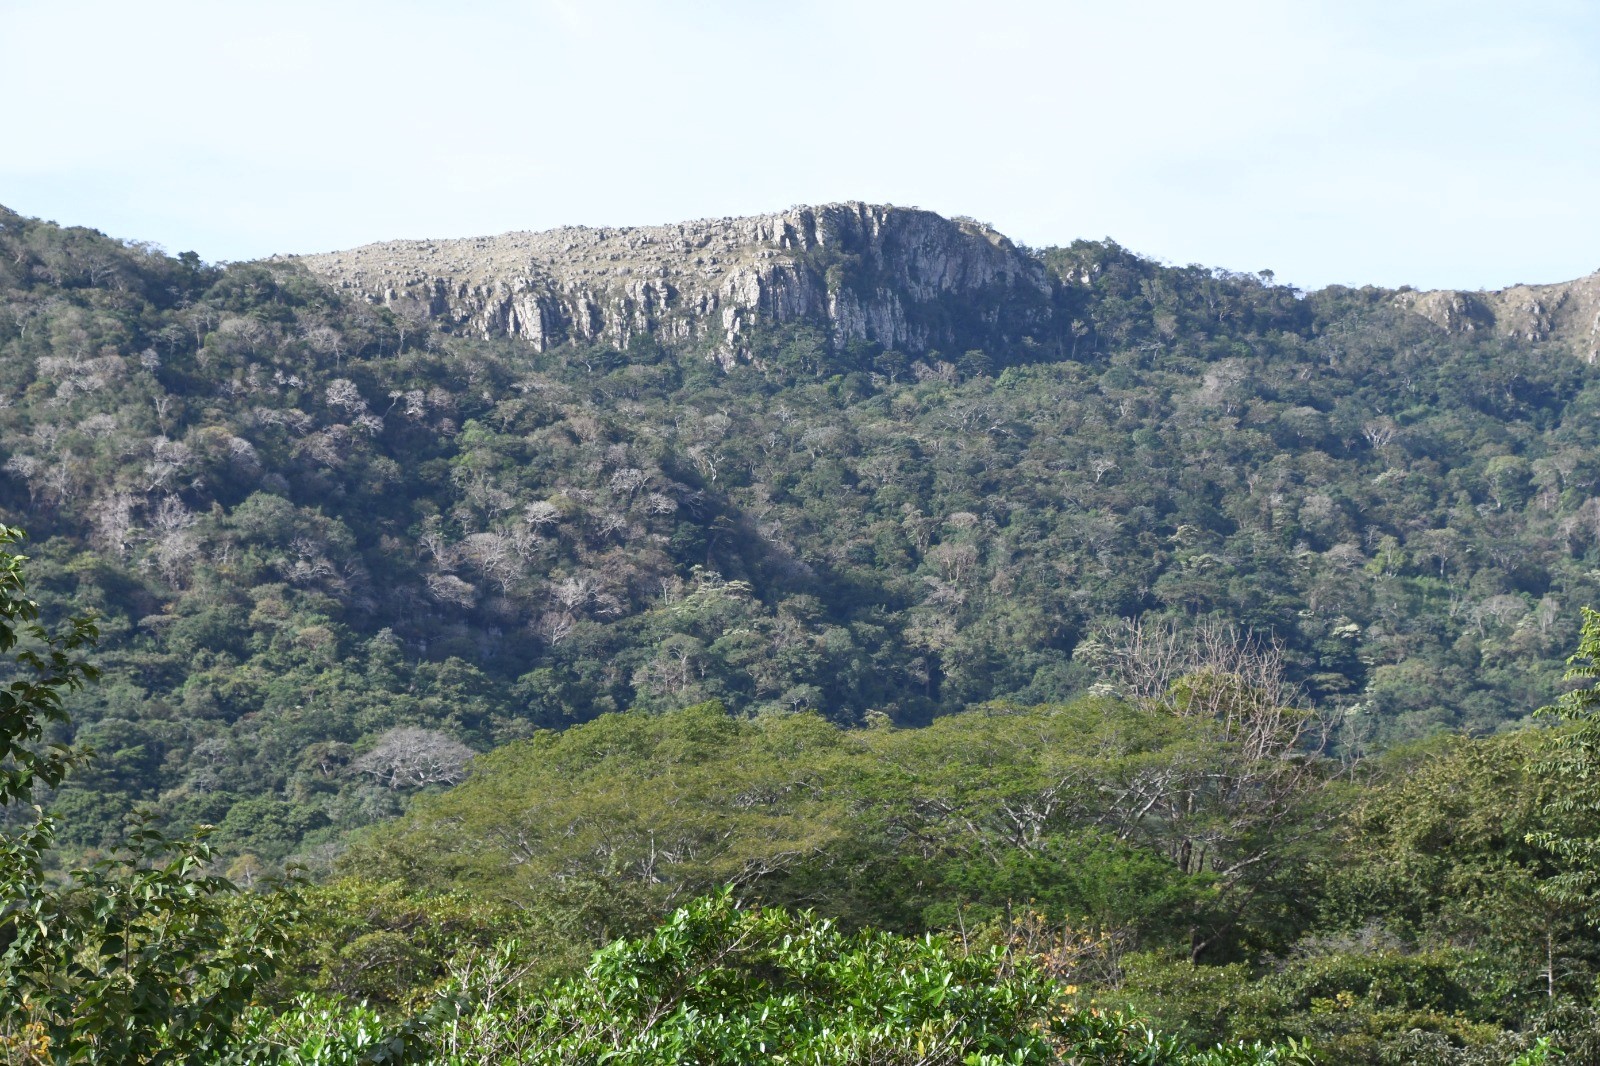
(1573, 803)
(719, 984)
(1235, 809)
(138, 958)
(410, 757)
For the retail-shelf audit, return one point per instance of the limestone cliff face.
(1567, 312)
(908, 279)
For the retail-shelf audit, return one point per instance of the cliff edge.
(904, 278)
(1566, 312)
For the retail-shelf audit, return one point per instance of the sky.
(1440, 145)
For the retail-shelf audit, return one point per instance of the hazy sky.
(1400, 142)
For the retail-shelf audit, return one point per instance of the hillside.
(346, 514)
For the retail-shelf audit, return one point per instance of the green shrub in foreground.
(716, 984)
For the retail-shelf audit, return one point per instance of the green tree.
(1574, 773)
(138, 958)
(719, 984)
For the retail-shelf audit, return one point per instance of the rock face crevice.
(904, 278)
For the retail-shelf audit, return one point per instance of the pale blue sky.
(1403, 142)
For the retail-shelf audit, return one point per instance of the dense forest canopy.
(309, 523)
(1174, 649)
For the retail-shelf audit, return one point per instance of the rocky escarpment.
(903, 278)
(1567, 312)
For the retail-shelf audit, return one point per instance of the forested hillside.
(336, 549)
(1128, 657)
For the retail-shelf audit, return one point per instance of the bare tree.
(706, 460)
(1381, 432)
(495, 556)
(112, 516)
(411, 757)
(1234, 808)
(343, 393)
(325, 340)
(168, 460)
(541, 513)
(447, 588)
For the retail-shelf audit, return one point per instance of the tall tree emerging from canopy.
(1245, 804)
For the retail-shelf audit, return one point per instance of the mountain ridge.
(711, 279)
(1564, 311)
(874, 273)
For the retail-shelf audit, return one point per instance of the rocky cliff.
(1567, 312)
(900, 277)
(904, 278)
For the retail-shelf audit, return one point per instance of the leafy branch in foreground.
(43, 671)
(138, 958)
(718, 984)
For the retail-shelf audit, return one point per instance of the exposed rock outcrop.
(905, 278)
(1567, 312)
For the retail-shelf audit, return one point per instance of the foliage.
(134, 959)
(669, 617)
(1064, 804)
(1414, 915)
(719, 984)
(391, 947)
(140, 959)
(307, 523)
(1574, 773)
(44, 672)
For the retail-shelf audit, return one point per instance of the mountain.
(349, 517)
(901, 278)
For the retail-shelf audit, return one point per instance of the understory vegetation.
(1157, 689)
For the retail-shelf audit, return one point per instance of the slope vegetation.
(340, 544)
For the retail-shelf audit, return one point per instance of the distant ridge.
(868, 272)
(901, 277)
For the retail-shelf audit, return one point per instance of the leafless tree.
(112, 516)
(495, 556)
(1380, 432)
(658, 503)
(343, 393)
(168, 460)
(959, 562)
(29, 469)
(541, 513)
(410, 316)
(411, 757)
(1235, 808)
(325, 340)
(1212, 671)
(627, 481)
(447, 588)
(706, 460)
